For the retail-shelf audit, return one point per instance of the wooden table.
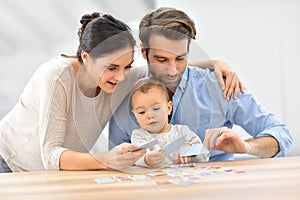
(276, 178)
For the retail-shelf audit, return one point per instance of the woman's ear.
(84, 57)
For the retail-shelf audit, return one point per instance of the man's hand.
(225, 139)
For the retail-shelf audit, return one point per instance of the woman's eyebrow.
(116, 65)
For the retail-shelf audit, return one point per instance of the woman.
(68, 102)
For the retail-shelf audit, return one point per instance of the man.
(197, 98)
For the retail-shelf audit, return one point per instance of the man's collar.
(183, 83)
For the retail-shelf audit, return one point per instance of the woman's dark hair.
(101, 34)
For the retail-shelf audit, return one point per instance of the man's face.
(167, 59)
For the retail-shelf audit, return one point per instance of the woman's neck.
(86, 84)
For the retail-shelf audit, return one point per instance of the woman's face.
(107, 71)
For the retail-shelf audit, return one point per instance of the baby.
(151, 107)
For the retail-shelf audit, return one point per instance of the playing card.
(193, 150)
(105, 180)
(139, 177)
(174, 146)
(146, 146)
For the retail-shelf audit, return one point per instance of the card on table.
(174, 146)
(181, 181)
(145, 146)
(105, 180)
(157, 173)
(138, 177)
(122, 178)
(193, 150)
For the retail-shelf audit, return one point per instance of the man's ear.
(143, 51)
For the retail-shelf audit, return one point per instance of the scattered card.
(156, 173)
(140, 177)
(105, 180)
(174, 146)
(145, 146)
(122, 178)
(181, 181)
(162, 182)
(193, 150)
(186, 165)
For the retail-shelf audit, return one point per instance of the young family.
(69, 100)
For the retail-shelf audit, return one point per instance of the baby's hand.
(179, 159)
(183, 160)
(154, 158)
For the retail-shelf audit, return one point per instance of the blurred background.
(259, 39)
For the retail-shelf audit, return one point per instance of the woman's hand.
(120, 157)
(233, 83)
(222, 69)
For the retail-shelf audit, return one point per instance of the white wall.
(260, 40)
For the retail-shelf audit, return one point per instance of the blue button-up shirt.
(199, 103)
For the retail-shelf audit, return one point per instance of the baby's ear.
(170, 106)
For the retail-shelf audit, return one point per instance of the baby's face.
(151, 110)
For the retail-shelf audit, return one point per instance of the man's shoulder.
(199, 75)
(202, 72)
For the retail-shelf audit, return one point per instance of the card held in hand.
(193, 150)
(174, 146)
(145, 146)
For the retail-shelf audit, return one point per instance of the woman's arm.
(117, 158)
(222, 69)
(71, 160)
(53, 112)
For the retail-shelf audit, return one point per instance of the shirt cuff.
(283, 138)
(53, 162)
